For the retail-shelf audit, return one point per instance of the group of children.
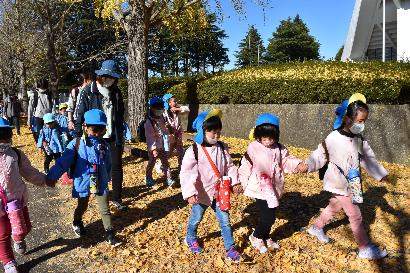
(206, 168)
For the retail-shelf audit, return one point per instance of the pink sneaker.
(258, 244)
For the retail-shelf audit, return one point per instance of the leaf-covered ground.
(153, 228)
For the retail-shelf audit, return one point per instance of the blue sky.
(328, 21)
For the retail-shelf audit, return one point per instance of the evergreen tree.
(339, 53)
(251, 49)
(292, 41)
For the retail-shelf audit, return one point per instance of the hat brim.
(107, 72)
(96, 123)
(214, 113)
(357, 97)
(338, 122)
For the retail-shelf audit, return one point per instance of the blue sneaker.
(149, 182)
(233, 255)
(193, 246)
(170, 182)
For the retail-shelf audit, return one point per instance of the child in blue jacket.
(49, 140)
(90, 161)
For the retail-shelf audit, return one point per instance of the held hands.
(51, 183)
(302, 168)
(193, 199)
(71, 125)
(385, 179)
(155, 153)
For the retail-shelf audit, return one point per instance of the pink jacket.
(174, 122)
(265, 161)
(198, 177)
(154, 130)
(343, 152)
(11, 175)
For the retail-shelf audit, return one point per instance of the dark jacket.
(12, 107)
(90, 98)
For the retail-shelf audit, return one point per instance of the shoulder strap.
(214, 168)
(18, 155)
(326, 151)
(247, 157)
(77, 146)
(195, 149)
(280, 155)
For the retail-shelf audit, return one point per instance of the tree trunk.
(51, 55)
(23, 87)
(137, 31)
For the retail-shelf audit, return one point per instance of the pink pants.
(6, 251)
(338, 202)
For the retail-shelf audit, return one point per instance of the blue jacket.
(87, 155)
(52, 137)
(63, 122)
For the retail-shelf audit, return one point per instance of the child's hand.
(302, 167)
(193, 199)
(155, 153)
(385, 179)
(50, 183)
(237, 188)
(176, 109)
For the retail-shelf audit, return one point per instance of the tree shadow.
(95, 235)
(373, 198)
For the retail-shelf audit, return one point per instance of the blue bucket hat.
(4, 123)
(108, 67)
(166, 98)
(199, 122)
(49, 117)
(267, 118)
(340, 114)
(95, 117)
(155, 100)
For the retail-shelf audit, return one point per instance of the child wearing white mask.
(344, 151)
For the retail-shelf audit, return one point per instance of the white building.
(365, 37)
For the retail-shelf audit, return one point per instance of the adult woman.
(105, 95)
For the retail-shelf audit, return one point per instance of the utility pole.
(384, 32)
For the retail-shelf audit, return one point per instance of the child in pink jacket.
(14, 216)
(171, 115)
(157, 136)
(262, 176)
(344, 150)
(199, 180)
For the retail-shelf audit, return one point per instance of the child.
(49, 140)
(262, 176)
(171, 115)
(14, 166)
(199, 179)
(90, 160)
(157, 134)
(344, 150)
(62, 121)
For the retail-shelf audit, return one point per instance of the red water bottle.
(224, 194)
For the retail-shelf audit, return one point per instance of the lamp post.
(384, 32)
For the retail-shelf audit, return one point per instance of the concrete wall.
(304, 125)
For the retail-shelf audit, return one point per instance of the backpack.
(195, 149)
(323, 170)
(70, 172)
(141, 130)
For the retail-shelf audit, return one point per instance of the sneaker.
(112, 240)
(78, 229)
(372, 252)
(11, 267)
(170, 182)
(258, 244)
(149, 182)
(158, 166)
(233, 255)
(20, 247)
(120, 205)
(318, 233)
(271, 244)
(193, 246)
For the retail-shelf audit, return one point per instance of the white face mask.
(211, 141)
(108, 82)
(357, 128)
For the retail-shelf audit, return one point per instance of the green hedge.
(302, 83)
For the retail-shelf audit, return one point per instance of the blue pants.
(197, 213)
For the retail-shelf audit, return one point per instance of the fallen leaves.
(155, 225)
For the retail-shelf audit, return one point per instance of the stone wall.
(307, 125)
